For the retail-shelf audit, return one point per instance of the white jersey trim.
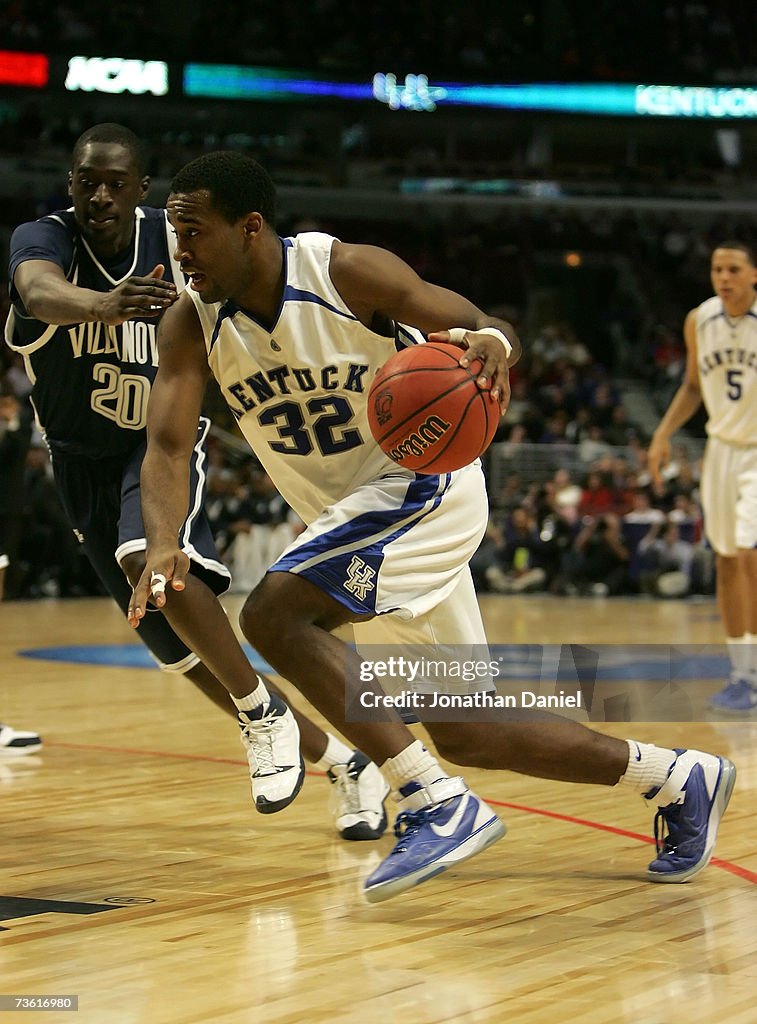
(33, 345)
(139, 216)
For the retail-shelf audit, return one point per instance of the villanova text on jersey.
(90, 381)
(132, 342)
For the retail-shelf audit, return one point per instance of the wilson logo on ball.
(428, 433)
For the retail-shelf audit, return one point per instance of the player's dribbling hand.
(494, 373)
(160, 572)
(138, 297)
(658, 455)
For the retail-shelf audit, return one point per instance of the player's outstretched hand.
(138, 297)
(658, 456)
(494, 373)
(161, 570)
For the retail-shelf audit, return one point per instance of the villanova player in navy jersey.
(89, 285)
(294, 330)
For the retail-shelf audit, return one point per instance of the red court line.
(725, 865)
(156, 753)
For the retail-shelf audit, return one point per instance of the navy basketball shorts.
(101, 499)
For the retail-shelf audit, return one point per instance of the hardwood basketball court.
(136, 874)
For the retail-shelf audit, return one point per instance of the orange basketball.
(427, 412)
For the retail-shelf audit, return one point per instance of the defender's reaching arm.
(49, 297)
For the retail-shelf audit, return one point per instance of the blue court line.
(116, 655)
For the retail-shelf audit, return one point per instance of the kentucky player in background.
(721, 371)
(294, 329)
(89, 285)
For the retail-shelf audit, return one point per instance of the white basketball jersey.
(299, 391)
(727, 361)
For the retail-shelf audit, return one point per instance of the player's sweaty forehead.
(189, 207)
(105, 158)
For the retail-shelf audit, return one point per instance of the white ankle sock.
(254, 700)
(752, 662)
(413, 764)
(740, 651)
(648, 766)
(336, 752)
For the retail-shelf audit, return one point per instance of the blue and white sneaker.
(690, 805)
(271, 739)
(440, 825)
(738, 697)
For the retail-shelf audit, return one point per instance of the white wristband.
(457, 335)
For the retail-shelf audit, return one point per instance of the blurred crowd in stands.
(551, 39)
(598, 294)
(602, 530)
(573, 507)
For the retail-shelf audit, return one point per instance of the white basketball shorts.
(729, 496)
(398, 544)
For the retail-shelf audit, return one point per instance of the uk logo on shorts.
(359, 578)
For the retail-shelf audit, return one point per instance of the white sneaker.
(272, 743)
(359, 794)
(15, 744)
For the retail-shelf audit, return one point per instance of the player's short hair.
(732, 243)
(237, 184)
(109, 132)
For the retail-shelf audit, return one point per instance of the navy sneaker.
(359, 794)
(690, 805)
(442, 825)
(738, 697)
(271, 740)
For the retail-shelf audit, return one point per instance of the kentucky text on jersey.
(258, 388)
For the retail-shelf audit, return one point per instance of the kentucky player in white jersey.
(298, 406)
(721, 371)
(303, 410)
(88, 286)
(294, 328)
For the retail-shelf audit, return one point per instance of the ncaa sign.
(116, 74)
